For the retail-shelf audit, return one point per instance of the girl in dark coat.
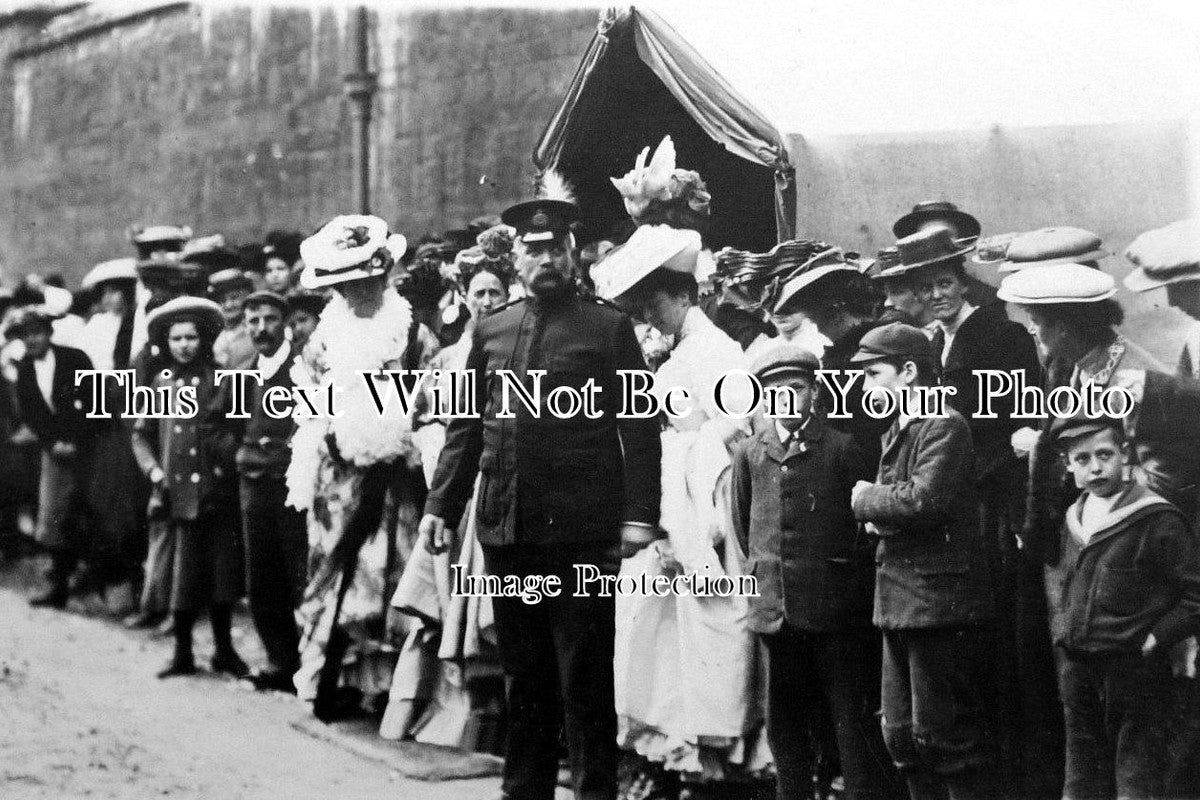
(197, 492)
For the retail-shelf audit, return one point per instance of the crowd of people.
(953, 606)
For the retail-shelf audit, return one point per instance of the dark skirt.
(208, 563)
(117, 494)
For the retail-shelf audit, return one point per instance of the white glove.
(1183, 658)
(1023, 441)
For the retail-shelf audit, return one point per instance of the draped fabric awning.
(640, 80)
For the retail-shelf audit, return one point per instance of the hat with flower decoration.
(349, 248)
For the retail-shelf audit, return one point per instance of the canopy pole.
(785, 204)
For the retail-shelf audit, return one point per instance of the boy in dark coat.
(1129, 589)
(815, 572)
(929, 587)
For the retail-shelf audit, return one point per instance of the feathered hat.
(657, 192)
(492, 250)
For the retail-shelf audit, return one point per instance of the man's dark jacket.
(67, 422)
(258, 446)
(791, 514)
(1138, 574)
(571, 480)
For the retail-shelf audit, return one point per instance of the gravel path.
(82, 715)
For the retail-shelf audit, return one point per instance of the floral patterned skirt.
(368, 660)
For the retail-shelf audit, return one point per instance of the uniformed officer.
(552, 493)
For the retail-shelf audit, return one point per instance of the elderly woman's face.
(484, 293)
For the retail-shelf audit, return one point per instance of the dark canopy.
(638, 82)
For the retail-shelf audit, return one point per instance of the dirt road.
(82, 715)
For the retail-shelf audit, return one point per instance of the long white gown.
(685, 667)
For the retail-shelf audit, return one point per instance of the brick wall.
(233, 120)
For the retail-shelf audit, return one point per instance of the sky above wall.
(828, 67)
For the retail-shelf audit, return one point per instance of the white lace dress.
(686, 677)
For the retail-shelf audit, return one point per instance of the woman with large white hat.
(684, 666)
(343, 468)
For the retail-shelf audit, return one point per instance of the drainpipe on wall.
(360, 87)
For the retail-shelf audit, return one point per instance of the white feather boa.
(342, 347)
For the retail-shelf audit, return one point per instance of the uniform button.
(178, 477)
(192, 452)
(783, 468)
(195, 477)
(195, 381)
(179, 381)
(178, 429)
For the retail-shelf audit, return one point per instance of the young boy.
(1127, 589)
(929, 587)
(791, 506)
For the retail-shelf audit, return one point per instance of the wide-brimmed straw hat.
(926, 248)
(117, 269)
(1046, 247)
(349, 248)
(204, 312)
(1057, 284)
(1166, 255)
(751, 274)
(822, 267)
(650, 247)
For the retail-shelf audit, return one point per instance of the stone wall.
(234, 120)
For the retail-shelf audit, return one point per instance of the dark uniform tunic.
(553, 493)
(572, 480)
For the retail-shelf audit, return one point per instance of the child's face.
(1097, 461)
(231, 306)
(881, 375)
(302, 324)
(802, 389)
(278, 275)
(183, 342)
